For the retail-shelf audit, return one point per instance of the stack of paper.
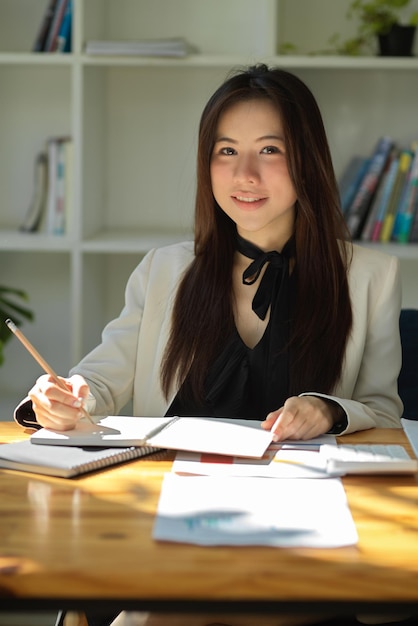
(255, 492)
(297, 459)
(284, 499)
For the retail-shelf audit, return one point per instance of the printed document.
(231, 511)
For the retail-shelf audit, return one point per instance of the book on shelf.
(385, 204)
(395, 196)
(44, 27)
(52, 39)
(413, 235)
(68, 184)
(54, 33)
(350, 180)
(409, 205)
(49, 221)
(357, 212)
(171, 47)
(60, 168)
(36, 210)
(401, 207)
(58, 216)
(63, 43)
(64, 461)
(375, 215)
(387, 186)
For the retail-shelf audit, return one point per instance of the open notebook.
(64, 461)
(234, 437)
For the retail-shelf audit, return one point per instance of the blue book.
(388, 184)
(357, 213)
(412, 236)
(64, 34)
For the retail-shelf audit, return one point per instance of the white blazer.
(126, 365)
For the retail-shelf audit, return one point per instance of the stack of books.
(379, 194)
(171, 47)
(54, 33)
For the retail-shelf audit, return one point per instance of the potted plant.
(384, 20)
(10, 306)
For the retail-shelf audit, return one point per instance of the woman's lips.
(248, 202)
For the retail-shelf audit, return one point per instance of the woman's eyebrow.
(262, 138)
(270, 137)
(227, 139)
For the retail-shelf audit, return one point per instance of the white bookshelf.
(134, 126)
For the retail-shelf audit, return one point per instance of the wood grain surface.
(87, 541)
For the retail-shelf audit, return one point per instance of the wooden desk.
(86, 542)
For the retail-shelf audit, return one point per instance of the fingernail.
(275, 437)
(77, 404)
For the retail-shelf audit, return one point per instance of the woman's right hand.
(55, 407)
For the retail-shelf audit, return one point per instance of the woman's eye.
(270, 150)
(227, 151)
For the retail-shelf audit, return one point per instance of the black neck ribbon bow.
(274, 277)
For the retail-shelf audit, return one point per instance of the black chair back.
(408, 378)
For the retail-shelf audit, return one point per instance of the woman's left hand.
(301, 418)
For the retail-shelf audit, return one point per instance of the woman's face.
(249, 174)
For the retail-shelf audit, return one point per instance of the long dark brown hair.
(203, 313)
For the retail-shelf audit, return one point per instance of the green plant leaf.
(11, 306)
(413, 20)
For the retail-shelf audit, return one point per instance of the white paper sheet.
(215, 510)
(295, 459)
(411, 430)
(281, 464)
(220, 435)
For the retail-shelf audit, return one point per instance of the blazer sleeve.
(124, 368)
(368, 388)
(109, 368)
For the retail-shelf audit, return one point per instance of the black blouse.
(248, 382)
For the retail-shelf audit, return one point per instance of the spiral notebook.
(64, 461)
(232, 437)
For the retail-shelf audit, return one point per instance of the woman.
(272, 314)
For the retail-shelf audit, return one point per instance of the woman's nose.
(246, 170)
